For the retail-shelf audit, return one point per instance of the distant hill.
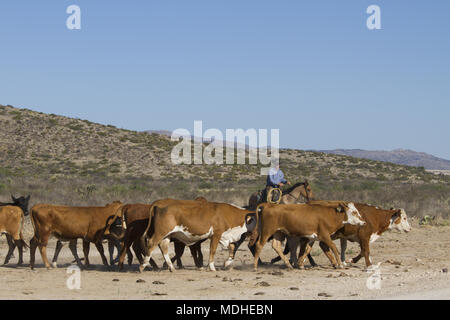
(398, 156)
(71, 161)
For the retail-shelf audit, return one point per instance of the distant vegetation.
(77, 162)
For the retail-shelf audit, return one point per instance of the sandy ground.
(412, 268)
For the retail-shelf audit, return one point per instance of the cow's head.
(22, 203)
(353, 215)
(117, 229)
(115, 224)
(399, 221)
(250, 222)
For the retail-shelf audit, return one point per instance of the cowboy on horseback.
(275, 180)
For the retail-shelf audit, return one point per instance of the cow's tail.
(118, 214)
(151, 215)
(34, 223)
(20, 232)
(257, 230)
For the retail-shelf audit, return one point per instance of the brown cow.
(302, 220)
(194, 221)
(135, 224)
(377, 222)
(11, 223)
(70, 223)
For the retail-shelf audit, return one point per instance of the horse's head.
(308, 193)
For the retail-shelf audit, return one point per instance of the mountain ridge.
(398, 156)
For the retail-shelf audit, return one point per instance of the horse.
(290, 195)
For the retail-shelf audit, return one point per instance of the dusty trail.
(412, 268)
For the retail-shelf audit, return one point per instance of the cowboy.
(275, 179)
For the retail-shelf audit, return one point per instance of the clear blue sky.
(309, 68)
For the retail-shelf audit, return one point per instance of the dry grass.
(76, 162)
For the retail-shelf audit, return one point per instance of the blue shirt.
(275, 177)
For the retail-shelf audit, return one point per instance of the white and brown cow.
(310, 221)
(192, 221)
(377, 221)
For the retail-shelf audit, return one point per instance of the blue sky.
(309, 68)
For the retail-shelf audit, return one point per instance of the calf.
(192, 221)
(315, 222)
(70, 223)
(11, 223)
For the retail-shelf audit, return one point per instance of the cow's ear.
(13, 199)
(28, 198)
(397, 215)
(342, 207)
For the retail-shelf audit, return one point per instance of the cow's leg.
(73, 249)
(19, 243)
(326, 239)
(101, 250)
(11, 247)
(197, 254)
(278, 258)
(129, 257)
(329, 255)
(86, 249)
(365, 250)
(111, 246)
(123, 251)
(231, 256)
(343, 250)
(138, 252)
(212, 251)
(292, 244)
(59, 246)
(253, 250)
(43, 249)
(33, 245)
(259, 245)
(310, 258)
(305, 250)
(277, 246)
(153, 242)
(179, 251)
(164, 246)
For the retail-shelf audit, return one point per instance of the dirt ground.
(413, 267)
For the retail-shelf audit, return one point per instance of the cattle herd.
(143, 228)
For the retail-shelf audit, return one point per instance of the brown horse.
(290, 196)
